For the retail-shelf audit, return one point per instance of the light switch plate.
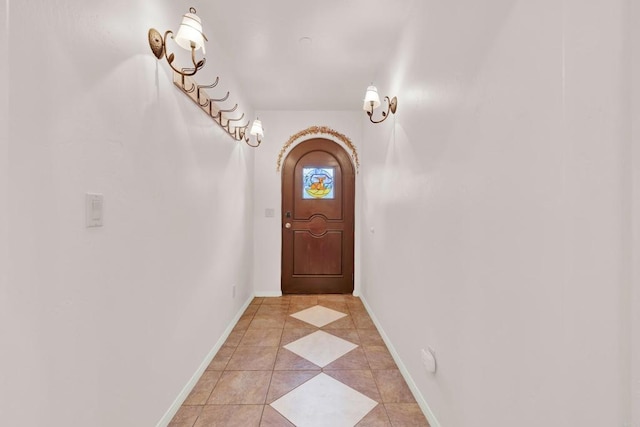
(269, 213)
(94, 210)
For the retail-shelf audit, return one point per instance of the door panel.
(318, 189)
(317, 255)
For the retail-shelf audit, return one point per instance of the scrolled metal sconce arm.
(392, 105)
(247, 140)
(241, 135)
(258, 139)
(158, 45)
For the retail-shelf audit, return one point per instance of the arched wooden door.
(318, 203)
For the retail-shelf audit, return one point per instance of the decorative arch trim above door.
(313, 130)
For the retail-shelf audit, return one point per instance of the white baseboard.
(171, 412)
(268, 294)
(433, 421)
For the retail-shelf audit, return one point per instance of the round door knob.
(287, 225)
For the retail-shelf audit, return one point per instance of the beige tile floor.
(263, 375)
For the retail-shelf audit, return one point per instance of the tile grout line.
(280, 309)
(274, 367)
(381, 402)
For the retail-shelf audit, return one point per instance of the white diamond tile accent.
(323, 401)
(318, 315)
(320, 348)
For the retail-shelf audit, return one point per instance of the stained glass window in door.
(317, 183)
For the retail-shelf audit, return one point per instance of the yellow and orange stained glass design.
(317, 183)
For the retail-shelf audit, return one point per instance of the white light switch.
(94, 210)
(269, 213)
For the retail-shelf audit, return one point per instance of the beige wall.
(5, 330)
(111, 323)
(500, 209)
(635, 156)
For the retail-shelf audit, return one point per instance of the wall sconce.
(189, 37)
(256, 130)
(372, 101)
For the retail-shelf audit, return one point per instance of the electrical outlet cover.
(428, 360)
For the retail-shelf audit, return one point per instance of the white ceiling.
(350, 41)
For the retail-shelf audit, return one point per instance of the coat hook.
(239, 131)
(193, 86)
(235, 107)
(228, 125)
(243, 128)
(211, 86)
(224, 98)
(206, 103)
(236, 120)
(233, 126)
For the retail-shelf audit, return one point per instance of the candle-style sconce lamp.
(189, 37)
(372, 101)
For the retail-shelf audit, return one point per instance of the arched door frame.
(346, 144)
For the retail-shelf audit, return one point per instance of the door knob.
(287, 225)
